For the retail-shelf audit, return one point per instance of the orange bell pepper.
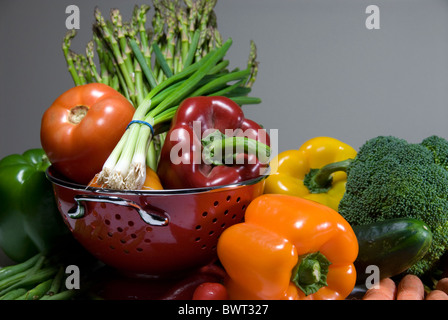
(289, 248)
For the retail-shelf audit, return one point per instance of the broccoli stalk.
(391, 178)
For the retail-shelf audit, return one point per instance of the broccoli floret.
(391, 178)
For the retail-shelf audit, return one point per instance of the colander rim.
(72, 185)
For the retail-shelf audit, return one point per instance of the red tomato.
(82, 127)
(210, 291)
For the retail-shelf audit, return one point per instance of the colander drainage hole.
(228, 198)
(198, 227)
(216, 203)
(204, 214)
(238, 199)
(197, 239)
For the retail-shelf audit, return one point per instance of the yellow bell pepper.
(299, 172)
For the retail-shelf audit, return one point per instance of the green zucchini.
(392, 245)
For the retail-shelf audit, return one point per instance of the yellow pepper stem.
(319, 180)
(310, 274)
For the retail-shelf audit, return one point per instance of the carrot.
(442, 285)
(437, 295)
(385, 291)
(410, 288)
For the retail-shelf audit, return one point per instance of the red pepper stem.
(219, 149)
(319, 180)
(310, 274)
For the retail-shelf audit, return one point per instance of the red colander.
(159, 232)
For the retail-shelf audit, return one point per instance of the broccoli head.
(391, 178)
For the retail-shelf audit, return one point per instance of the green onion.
(126, 167)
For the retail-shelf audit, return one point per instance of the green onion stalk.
(181, 55)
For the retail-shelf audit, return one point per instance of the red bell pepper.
(211, 143)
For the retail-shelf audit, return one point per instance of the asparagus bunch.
(179, 56)
(43, 277)
(134, 58)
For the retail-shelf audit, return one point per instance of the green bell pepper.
(29, 218)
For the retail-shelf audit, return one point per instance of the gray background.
(322, 72)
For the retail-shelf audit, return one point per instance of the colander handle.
(79, 210)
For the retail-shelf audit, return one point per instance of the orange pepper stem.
(310, 274)
(319, 180)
